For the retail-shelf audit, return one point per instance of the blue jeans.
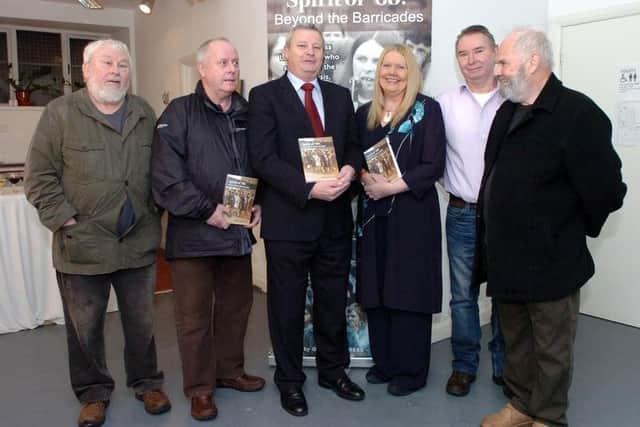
(465, 318)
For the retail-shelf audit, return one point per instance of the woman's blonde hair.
(414, 84)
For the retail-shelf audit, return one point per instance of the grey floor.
(34, 389)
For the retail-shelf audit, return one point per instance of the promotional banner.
(355, 33)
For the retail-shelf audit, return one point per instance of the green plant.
(31, 81)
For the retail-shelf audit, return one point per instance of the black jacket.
(196, 145)
(554, 179)
(277, 119)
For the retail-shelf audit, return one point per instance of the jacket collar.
(135, 111)
(548, 97)
(238, 104)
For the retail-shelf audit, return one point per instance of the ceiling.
(115, 4)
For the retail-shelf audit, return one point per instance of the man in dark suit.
(306, 226)
(551, 178)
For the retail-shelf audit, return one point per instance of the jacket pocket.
(80, 245)
(86, 162)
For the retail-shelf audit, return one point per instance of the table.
(28, 289)
(29, 293)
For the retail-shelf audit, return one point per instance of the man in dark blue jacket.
(200, 138)
(551, 178)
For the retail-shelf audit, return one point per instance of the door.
(592, 53)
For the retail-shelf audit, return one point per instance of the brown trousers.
(213, 298)
(539, 339)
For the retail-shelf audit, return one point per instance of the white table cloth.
(28, 288)
(29, 293)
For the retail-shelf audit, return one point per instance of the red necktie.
(312, 111)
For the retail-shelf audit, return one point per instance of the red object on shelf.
(24, 98)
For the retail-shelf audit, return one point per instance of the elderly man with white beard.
(87, 174)
(551, 178)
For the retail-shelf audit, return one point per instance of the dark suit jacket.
(553, 180)
(277, 119)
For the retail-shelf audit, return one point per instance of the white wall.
(569, 7)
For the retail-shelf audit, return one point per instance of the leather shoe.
(343, 387)
(244, 382)
(459, 383)
(398, 389)
(374, 376)
(92, 414)
(293, 401)
(538, 424)
(155, 401)
(508, 416)
(203, 407)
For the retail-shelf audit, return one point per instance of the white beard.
(517, 87)
(106, 94)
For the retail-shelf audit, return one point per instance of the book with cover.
(239, 194)
(318, 159)
(381, 160)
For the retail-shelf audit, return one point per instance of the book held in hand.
(239, 194)
(318, 159)
(381, 160)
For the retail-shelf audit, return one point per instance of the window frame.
(65, 35)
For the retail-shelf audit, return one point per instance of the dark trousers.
(539, 339)
(84, 299)
(401, 345)
(290, 266)
(213, 298)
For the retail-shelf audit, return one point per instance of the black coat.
(554, 179)
(413, 276)
(196, 145)
(277, 119)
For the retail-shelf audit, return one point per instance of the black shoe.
(459, 383)
(344, 387)
(498, 380)
(293, 401)
(397, 389)
(374, 376)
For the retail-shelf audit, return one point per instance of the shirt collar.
(298, 82)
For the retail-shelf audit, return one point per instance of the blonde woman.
(399, 241)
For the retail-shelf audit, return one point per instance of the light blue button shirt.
(316, 93)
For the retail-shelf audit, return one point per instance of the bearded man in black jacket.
(551, 178)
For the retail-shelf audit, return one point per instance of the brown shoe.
(507, 417)
(244, 382)
(538, 424)
(92, 414)
(155, 401)
(459, 383)
(203, 408)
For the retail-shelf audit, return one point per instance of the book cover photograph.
(318, 159)
(381, 160)
(239, 195)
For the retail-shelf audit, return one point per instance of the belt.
(457, 202)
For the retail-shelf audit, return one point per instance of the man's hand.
(328, 190)
(347, 174)
(219, 217)
(256, 216)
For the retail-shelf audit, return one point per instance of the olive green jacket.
(79, 166)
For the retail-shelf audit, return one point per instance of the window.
(40, 62)
(76, 47)
(51, 60)
(4, 68)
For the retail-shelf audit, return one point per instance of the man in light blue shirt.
(468, 112)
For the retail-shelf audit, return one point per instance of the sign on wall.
(355, 33)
